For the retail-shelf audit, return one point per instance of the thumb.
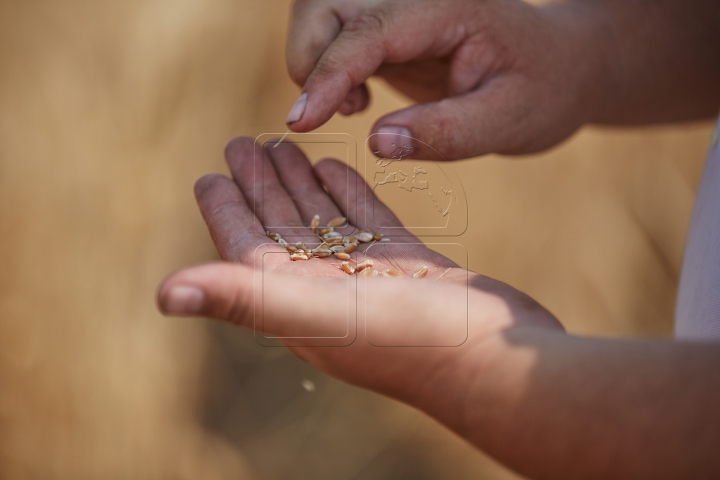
(503, 116)
(321, 312)
(273, 304)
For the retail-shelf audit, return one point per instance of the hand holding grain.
(294, 196)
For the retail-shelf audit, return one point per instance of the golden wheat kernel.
(377, 237)
(365, 237)
(298, 256)
(291, 249)
(367, 272)
(337, 222)
(338, 249)
(302, 246)
(283, 243)
(273, 236)
(393, 273)
(347, 268)
(342, 256)
(322, 249)
(321, 254)
(349, 248)
(324, 231)
(334, 241)
(315, 222)
(421, 272)
(363, 265)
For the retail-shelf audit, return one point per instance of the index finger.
(388, 33)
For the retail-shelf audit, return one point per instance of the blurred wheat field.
(109, 111)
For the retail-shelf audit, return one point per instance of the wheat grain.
(342, 256)
(334, 242)
(421, 272)
(349, 248)
(315, 222)
(298, 256)
(367, 272)
(365, 237)
(392, 273)
(363, 265)
(347, 268)
(337, 222)
(377, 237)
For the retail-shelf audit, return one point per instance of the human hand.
(311, 296)
(493, 76)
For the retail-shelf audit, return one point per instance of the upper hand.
(492, 76)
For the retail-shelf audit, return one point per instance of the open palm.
(300, 300)
(278, 190)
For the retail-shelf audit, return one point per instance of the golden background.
(109, 111)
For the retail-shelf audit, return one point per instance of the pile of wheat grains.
(335, 243)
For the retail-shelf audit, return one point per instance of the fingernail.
(183, 300)
(296, 112)
(393, 141)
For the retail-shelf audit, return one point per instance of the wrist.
(587, 48)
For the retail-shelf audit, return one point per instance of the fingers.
(359, 202)
(258, 180)
(298, 177)
(387, 33)
(233, 227)
(505, 116)
(234, 293)
(356, 100)
(313, 27)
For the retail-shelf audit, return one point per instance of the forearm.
(555, 406)
(659, 60)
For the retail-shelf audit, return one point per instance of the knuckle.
(217, 210)
(367, 22)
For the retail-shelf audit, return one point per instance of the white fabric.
(697, 316)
